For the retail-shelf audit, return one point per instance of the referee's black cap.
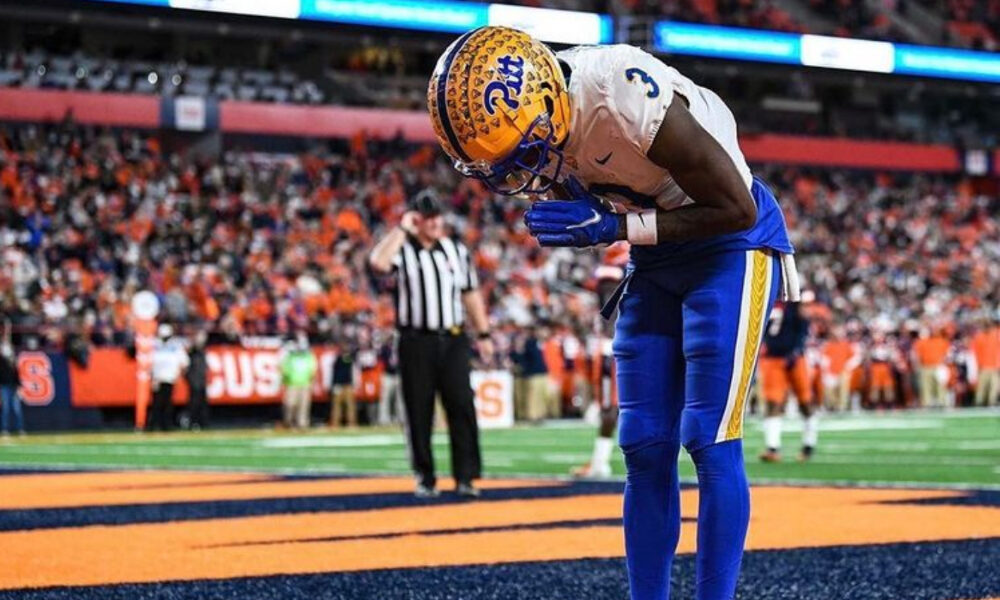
(427, 203)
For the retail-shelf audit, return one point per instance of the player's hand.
(580, 221)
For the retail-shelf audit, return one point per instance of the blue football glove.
(580, 221)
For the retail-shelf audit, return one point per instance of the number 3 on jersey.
(635, 74)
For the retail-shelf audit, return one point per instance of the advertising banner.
(236, 375)
(494, 398)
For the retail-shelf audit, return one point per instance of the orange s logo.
(490, 395)
(38, 388)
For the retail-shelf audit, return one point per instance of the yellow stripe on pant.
(755, 301)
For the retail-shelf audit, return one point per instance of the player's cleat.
(426, 491)
(806, 453)
(770, 456)
(468, 491)
(591, 471)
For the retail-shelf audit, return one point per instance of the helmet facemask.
(532, 167)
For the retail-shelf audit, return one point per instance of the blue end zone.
(969, 498)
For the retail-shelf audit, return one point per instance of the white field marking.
(978, 445)
(396, 465)
(539, 443)
(347, 441)
(866, 447)
(560, 424)
(343, 441)
(329, 441)
(861, 424)
(494, 458)
(940, 448)
(560, 458)
(948, 461)
(959, 413)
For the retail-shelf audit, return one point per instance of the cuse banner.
(236, 375)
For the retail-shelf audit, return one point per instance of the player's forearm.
(691, 222)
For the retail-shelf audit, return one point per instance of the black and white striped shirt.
(430, 283)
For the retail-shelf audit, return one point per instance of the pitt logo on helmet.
(511, 69)
(500, 108)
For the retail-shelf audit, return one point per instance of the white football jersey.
(619, 96)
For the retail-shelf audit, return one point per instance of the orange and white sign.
(239, 375)
(236, 375)
(494, 398)
(38, 388)
(145, 307)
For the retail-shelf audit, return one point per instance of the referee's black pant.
(431, 363)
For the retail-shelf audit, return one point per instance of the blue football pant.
(686, 346)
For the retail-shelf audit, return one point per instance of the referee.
(437, 290)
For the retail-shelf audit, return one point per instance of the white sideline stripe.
(354, 441)
(829, 424)
(947, 461)
(494, 457)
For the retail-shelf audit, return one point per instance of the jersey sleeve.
(639, 91)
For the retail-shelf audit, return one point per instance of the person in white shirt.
(170, 359)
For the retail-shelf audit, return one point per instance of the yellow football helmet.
(500, 107)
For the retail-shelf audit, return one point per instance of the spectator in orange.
(881, 382)
(985, 346)
(929, 353)
(840, 358)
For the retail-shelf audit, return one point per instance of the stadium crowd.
(258, 244)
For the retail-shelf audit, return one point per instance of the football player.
(632, 150)
(784, 368)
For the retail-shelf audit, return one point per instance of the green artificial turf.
(956, 448)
